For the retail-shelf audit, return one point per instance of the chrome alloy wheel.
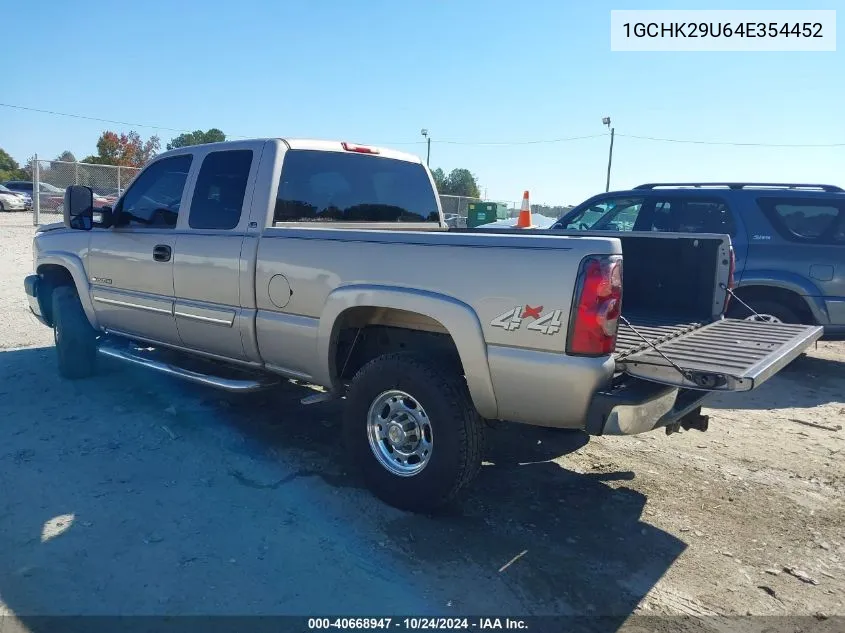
(399, 432)
(765, 318)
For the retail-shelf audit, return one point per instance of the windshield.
(50, 188)
(619, 214)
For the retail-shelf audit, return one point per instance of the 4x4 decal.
(548, 323)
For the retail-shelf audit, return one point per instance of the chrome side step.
(226, 384)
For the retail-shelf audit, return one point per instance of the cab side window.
(154, 198)
(692, 215)
(610, 214)
(219, 193)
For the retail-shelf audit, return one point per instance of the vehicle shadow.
(132, 493)
(565, 542)
(809, 381)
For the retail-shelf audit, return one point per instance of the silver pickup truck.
(242, 263)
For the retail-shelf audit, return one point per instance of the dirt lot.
(137, 494)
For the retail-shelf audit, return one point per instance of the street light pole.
(606, 121)
(424, 132)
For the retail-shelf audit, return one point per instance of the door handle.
(162, 253)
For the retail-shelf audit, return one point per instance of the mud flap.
(728, 355)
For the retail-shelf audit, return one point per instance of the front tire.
(411, 429)
(76, 340)
(769, 311)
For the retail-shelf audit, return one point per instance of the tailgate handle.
(162, 253)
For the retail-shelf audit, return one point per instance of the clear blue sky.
(376, 71)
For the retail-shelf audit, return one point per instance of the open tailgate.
(727, 355)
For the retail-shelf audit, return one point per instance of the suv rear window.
(320, 186)
(819, 221)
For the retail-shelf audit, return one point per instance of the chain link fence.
(50, 178)
(455, 209)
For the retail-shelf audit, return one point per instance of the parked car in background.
(11, 201)
(51, 198)
(455, 221)
(22, 188)
(789, 239)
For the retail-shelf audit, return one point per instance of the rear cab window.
(811, 220)
(332, 187)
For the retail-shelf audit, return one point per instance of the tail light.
(731, 281)
(598, 304)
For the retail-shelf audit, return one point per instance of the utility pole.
(606, 121)
(424, 132)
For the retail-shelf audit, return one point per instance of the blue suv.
(788, 239)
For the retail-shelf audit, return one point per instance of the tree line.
(130, 150)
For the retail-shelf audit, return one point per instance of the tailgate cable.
(745, 305)
(687, 375)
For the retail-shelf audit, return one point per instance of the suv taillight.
(731, 282)
(598, 304)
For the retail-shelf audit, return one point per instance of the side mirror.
(79, 208)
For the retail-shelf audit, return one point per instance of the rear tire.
(428, 401)
(76, 340)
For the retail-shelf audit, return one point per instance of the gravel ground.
(137, 494)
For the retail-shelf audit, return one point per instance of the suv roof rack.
(742, 185)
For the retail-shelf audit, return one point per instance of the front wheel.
(767, 311)
(76, 340)
(412, 430)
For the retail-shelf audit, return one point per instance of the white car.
(11, 201)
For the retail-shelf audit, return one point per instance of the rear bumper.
(836, 316)
(638, 406)
(30, 285)
(834, 332)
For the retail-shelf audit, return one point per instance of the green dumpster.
(479, 213)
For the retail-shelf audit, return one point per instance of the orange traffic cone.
(524, 219)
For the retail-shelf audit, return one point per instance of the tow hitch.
(692, 420)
